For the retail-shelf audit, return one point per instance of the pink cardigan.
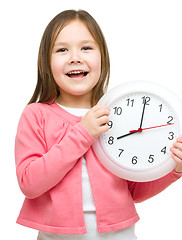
(50, 143)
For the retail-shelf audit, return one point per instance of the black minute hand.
(143, 113)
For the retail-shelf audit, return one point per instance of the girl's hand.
(96, 119)
(176, 150)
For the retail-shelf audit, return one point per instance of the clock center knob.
(140, 129)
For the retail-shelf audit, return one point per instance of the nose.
(75, 58)
(75, 61)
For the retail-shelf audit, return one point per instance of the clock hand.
(127, 134)
(134, 131)
(145, 102)
(141, 129)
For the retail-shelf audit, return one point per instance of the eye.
(62, 50)
(87, 48)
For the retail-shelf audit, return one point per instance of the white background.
(145, 43)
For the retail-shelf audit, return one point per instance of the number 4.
(164, 150)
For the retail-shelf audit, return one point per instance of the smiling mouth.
(77, 74)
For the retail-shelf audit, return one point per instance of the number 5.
(151, 158)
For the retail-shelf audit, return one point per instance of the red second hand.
(141, 129)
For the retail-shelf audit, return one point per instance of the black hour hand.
(125, 135)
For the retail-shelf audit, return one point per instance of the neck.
(74, 101)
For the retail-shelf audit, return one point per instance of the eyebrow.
(82, 42)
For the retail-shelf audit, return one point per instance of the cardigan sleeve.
(37, 169)
(142, 191)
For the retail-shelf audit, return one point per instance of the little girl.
(69, 194)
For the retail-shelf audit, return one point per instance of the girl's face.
(75, 63)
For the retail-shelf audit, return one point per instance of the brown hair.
(47, 90)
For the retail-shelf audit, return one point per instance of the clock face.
(142, 129)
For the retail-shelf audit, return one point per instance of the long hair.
(47, 90)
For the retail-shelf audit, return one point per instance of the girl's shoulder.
(35, 106)
(32, 115)
(45, 111)
(41, 108)
(36, 109)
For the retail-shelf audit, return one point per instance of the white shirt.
(88, 202)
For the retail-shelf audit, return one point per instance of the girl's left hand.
(176, 155)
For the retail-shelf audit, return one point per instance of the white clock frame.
(139, 175)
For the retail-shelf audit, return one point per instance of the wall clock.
(144, 122)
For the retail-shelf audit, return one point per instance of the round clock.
(144, 122)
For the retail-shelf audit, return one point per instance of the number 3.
(171, 137)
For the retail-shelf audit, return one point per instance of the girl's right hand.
(96, 119)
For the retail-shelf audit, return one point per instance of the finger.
(177, 152)
(179, 139)
(176, 159)
(104, 128)
(99, 106)
(178, 145)
(102, 111)
(96, 107)
(178, 162)
(103, 120)
(101, 129)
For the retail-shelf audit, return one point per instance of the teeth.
(76, 72)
